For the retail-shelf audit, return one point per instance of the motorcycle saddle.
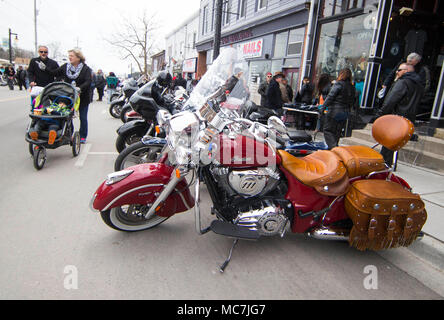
(322, 170)
(360, 160)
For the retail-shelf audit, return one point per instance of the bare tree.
(136, 40)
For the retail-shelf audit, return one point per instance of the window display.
(344, 44)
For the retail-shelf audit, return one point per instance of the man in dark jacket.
(306, 93)
(274, 93)
(263, 89)
(180, 81)
(21, 78)
(414, 60)
(38, 77)
(100, 84)
(402, 99)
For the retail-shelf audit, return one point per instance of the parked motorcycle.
(146, 108)
(256, 189)
(118, 103)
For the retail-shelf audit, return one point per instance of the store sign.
(251, 49)
(189, 65)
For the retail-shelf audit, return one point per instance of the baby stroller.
(57, 93)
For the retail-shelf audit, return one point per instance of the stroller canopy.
(58, 92)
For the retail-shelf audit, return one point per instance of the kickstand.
(222, 268)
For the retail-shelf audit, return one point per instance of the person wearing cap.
(274, 93)
(263, 89)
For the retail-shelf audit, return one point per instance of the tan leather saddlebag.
(384, 214)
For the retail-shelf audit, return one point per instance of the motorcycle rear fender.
(131, 126)
(142, 187)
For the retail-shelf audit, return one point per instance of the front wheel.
(114, 110)
(39, 157)
(124, 113)
(138, 153)
(131, 218)
(129, 138)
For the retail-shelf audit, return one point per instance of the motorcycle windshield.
(228, 73)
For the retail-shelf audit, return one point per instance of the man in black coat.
(274, 93)
(263, 89)
(38, 77)
(402, 99)
(100, 83)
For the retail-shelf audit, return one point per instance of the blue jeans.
(83, 111)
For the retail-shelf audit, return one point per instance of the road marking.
(13, 99)
(103, 153)
(83, 155)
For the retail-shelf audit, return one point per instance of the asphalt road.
(53, 247)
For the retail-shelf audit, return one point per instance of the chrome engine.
(270, 220)
(246, 183)
(250, 188)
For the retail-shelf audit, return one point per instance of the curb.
(430, 250)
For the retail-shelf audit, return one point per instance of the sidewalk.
(429, 185)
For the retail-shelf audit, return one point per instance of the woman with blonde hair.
(77, 73)
(339, 102)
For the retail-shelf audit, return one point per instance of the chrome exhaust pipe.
(325, 233)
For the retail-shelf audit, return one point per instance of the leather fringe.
(361, 241)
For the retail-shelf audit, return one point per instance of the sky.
(87, 23)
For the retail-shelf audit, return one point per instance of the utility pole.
(10, 44)
(35, 26)
(218, 29)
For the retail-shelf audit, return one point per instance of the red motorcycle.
(259, 190)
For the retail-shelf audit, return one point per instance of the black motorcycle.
(117, 104)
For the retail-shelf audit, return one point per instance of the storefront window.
(280, 45)
(295, 41)
(344, 44)
(258, 71)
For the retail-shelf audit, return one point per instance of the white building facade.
(180, 48)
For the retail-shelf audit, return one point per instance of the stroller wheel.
(76, 144)
(31, 149)
(39, 157)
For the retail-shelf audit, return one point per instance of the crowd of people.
(401, 93)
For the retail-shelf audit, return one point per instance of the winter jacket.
(263, 92)
(340, 100)
(100, 80)
(83, 81)
(306, 94)
(403, 97)
(40, 77)
(274, 95)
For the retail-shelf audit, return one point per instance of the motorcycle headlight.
(182, 131)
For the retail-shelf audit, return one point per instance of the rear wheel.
(39, 157)
(131, 218)
(138, 153)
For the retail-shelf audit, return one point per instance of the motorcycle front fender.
(142, 187)
(131, 126)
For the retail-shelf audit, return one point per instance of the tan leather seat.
(360, 160)
(322, 170)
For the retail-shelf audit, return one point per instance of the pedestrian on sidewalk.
(111, 82)
(21, 78)
(100, 84)
(10, 75)
(274, 94)
(402, 99)
(306, 94)
(78, 74)
(339, 102)
(323, 87)
(38, 77)
(263, 87)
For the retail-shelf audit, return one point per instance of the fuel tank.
(242, 151)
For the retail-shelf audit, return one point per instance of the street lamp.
(10, 45)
